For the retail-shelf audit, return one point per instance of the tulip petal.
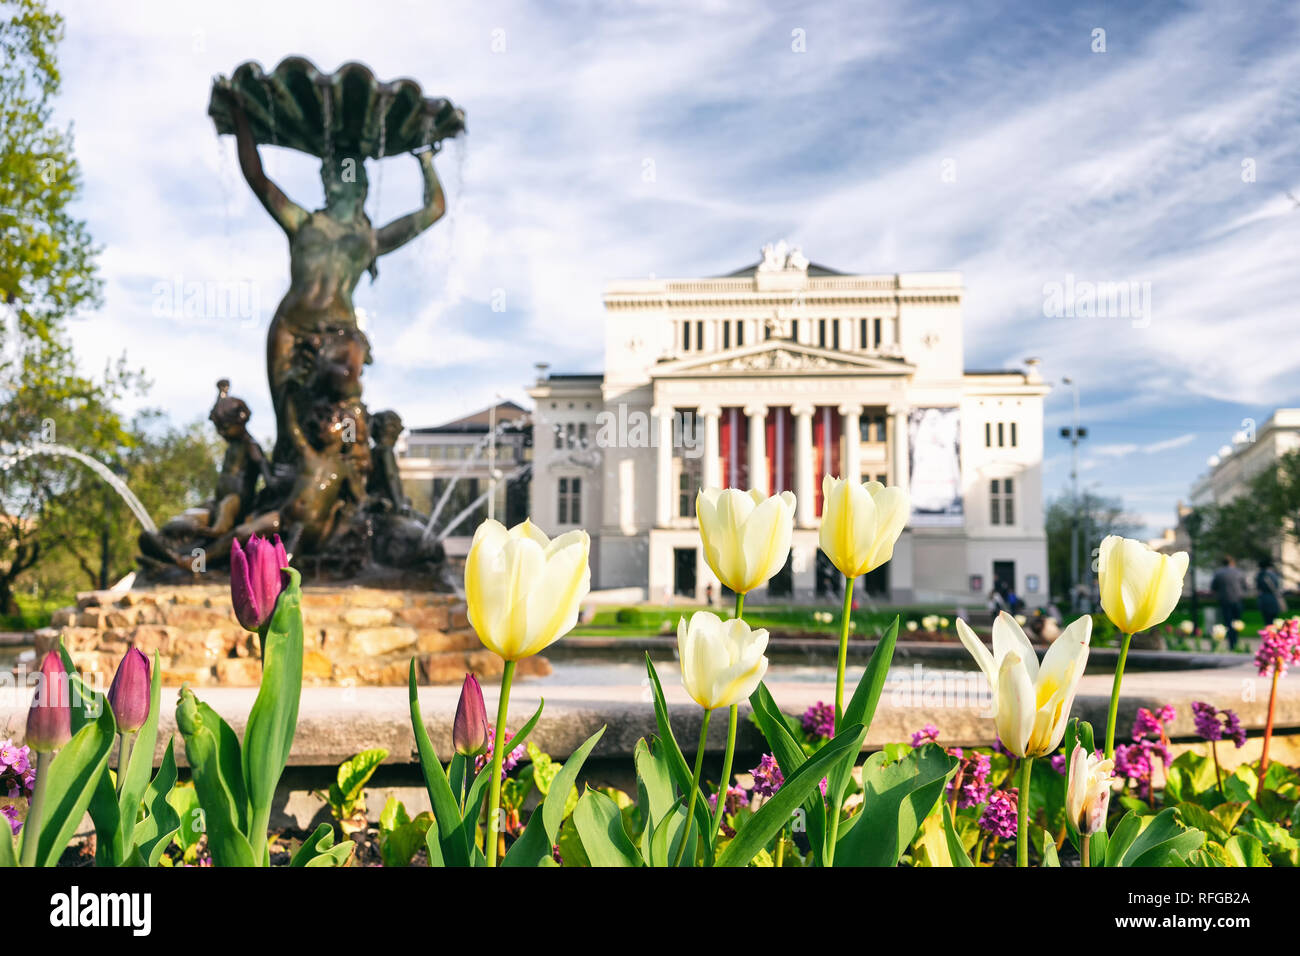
(1008, 638)
(1014, 718)
(978, 651)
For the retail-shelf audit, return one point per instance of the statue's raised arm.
(282, 209)
(402, 230)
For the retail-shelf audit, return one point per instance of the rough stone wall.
(351, 636)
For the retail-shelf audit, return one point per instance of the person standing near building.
(1228, 586)
(1268, 583)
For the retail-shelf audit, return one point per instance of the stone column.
(712, 465)
(757, 415)
(898, 446)
(804, 490)
(851, 430)
(664, 473)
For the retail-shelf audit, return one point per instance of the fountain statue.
(329, 487)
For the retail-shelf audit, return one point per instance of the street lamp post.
(1074, 433)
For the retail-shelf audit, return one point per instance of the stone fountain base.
(352, 636)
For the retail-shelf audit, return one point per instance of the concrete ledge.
(336, 722)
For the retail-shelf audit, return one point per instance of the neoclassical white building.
(770, 378)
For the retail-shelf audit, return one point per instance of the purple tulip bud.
(49, 722)
(255, 580)
(469, 731)
(129, 693)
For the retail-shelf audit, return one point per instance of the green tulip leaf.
(861, 709)
(153, 834)
(213, 753)
(446, 810)
(350, 782)
(273, 720)
(72, 776)
(956, 850)
(896, 798)
(543, 829)
(1163, 841)
(777, 811)
(789, 757)
(683, 776)
(600, 827)
(319, 849)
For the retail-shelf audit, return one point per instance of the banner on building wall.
(934, 452)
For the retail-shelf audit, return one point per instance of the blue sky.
(904, 136)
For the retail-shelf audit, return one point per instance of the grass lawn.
(34, 612)
(650, 619)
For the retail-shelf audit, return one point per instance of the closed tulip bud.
(524, 590)
(722, 661)
(860, 523)
(1139, 587)
(1032, 701)
(129, 693)
(1087, 792)
(255, 580)
(49, 721)
(469, 731)
(746, 537)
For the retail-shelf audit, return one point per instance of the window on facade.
(835, 334)
(862, 334)
(872, 428)
(699, 336)
(794, 330)
(988, 434)
(1001, 429)
(821, 333)
(559, 436)
(1013, 434)
(688, 484)
(569, 506)
(726, 335)
(740, 332)
(1002, 505)
(878, 323)
(686, 336)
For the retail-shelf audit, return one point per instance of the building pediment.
(780, 357)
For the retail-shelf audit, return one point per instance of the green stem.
(1218, 771)
(32, 827)
(123, 760)
(1022, 811)
(779, 860)
(732, 715)
(1086, 838)
(258, 835)
(1114, 697)
(498, 754)
(844, 649)
(725, 784)
(695, 789)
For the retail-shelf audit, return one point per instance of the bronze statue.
(330, 495)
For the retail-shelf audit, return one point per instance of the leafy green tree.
(47, 273)
(1097, 516)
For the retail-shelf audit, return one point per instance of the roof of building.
(477, 422)
(814, 269)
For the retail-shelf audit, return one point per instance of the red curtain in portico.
(826, 447)
(733, 433)
(780, 450)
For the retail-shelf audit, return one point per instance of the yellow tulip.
(722, 661)
(746, 536)
(1032, 701)
(523, 590)
(1139, 587)
(860, 523)
(1087, 792)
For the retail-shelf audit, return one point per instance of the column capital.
(663, 411)
(710, 411)
(756, 410)
(851, 408)
(802, 411)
